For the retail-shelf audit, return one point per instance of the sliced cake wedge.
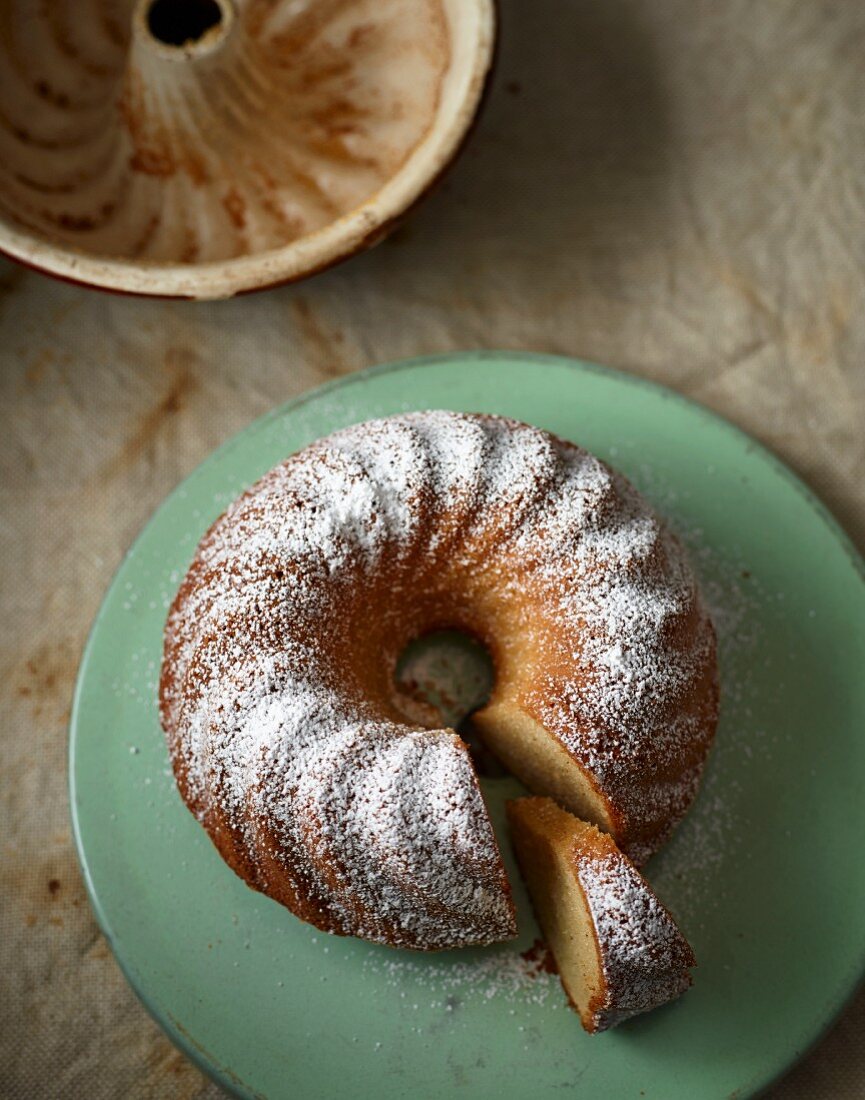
(617, 948)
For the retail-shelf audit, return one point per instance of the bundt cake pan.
(202, 148)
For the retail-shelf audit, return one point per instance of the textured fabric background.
(675, 189)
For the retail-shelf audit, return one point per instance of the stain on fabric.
(179, 365)
(46, 676)
(324, 346)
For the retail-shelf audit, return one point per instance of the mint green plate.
(765, 875)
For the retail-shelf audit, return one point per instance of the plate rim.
(172, 1028)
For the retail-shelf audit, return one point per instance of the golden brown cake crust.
(288, 739)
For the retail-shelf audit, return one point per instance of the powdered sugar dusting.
(319, 795)
(504, 974)
(644, 956)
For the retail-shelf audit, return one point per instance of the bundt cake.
(617, 949)
(289, 740)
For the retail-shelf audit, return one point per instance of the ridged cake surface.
(288, 737)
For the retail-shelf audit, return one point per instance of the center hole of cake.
(445, 677)
(183, 23)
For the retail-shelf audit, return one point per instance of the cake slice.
(616, 946)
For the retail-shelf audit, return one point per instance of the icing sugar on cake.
(277, 688)
(644, 955)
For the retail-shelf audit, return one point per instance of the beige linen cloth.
(676, 189)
